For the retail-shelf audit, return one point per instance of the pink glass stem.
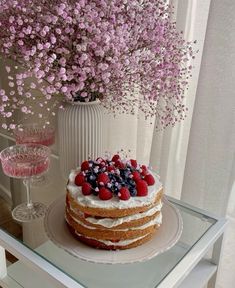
(28, 191)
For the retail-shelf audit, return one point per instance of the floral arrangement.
(128, 54)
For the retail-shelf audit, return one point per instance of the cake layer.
(113, 234)
(117, 223)
(109, 245)
(74, 203)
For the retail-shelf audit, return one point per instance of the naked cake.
(113, 203)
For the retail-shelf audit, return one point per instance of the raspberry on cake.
(113, 203)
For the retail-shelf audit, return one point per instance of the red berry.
(124, 193)
(142, 188)
(101, 162)
(103, 178)
(85, 166)
(105, 194)
(136, 176)
(133, 163)
(120, 165)
(79, 179)
(115, 158)
(110, 168)
(149, 179)
(144, 167)
(144, 172)
(86, 188)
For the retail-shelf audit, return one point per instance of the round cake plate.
(166, 237)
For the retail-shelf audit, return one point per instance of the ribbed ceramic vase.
(80, 131)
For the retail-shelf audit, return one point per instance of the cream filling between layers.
(119, 243)
(157, 220)
(113, 222)
(94, 201)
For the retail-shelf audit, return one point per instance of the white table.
(187, 264)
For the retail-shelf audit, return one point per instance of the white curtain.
(209, 179)
(165, 150)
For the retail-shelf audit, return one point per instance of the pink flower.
(40, 46)
(21, 42)
(58, 31)
(24, 109)
(84, 49)
(53, 39)
(12, 126)
(64, 89)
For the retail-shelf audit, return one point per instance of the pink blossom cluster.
(127, 53)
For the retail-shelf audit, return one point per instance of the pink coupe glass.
(24, 162)
(33, 133)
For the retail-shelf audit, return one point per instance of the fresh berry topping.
(115, 158)
(133, 191)
(124, 193)
(79, 179)
(133, 163)
(120, 165)
(149, 179)
(86, 188)
(136, 176)
(99, 160)
(105, 194)
(103, 178)
(144, 172)
(142, 188)
(131, 182)
(111, 169)
(143, 167)
(95, 191)
(85, 166)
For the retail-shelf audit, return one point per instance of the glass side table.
(185, 265)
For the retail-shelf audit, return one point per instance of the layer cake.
(113, 203)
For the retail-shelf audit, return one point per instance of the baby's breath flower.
(127, 53)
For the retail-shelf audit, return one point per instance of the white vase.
(80, 134)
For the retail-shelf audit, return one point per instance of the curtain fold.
(169, 147)
(166, 150)
(210, 167)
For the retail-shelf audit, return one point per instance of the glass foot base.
(22, 213)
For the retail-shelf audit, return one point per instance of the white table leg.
(216, 260)
(3, 264)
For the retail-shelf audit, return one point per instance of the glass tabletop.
(145, 274)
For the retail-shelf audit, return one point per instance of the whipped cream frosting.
(113, 222)
(157, 220)
(119, 243)
(94, 201)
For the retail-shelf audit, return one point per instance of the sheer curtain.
(165, 150)
(209, 179)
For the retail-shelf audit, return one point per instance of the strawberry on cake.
(113, 203)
